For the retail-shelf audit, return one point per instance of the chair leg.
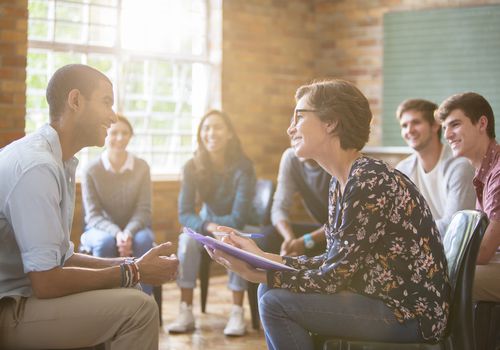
(494, 331)
(482, 316)
(157, 293)
(254, 306)
(204, 276)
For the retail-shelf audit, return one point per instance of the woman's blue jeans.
(103, 244)
(288, 318)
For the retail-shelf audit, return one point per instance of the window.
(154, 51)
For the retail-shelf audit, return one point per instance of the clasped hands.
(124, 243)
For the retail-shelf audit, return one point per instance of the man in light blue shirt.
(51, 297)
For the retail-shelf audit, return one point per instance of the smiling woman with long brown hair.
(222, 178)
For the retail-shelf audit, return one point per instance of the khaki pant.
(127, 318)
(487, 281)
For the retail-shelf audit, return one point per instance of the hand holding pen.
(239, 239)
(241, 234)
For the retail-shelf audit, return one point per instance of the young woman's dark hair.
(203, 164)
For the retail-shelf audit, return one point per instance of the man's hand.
(293, 247)
(124, 244)
(156, 267)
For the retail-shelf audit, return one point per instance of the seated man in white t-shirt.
(444, 181)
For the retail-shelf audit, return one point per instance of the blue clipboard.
(254, 260)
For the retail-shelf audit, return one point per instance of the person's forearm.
(489, 243)
(259, 277)
(285, 230)
(274, 257)
(63, 281)
(318, 235)
(91, 262)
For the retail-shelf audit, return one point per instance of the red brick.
(7, 23)
(13, 61)
(6, 98)
(12, 36)
(7, 48)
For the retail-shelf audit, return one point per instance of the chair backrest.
(461, 244)
(262, 202)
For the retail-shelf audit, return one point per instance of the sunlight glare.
(154, 25)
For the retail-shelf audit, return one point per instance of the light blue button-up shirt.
(37, 199)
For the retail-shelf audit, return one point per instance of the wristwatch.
(308, 241)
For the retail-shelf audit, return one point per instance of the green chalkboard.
(433, 54)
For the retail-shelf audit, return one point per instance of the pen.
(241, 234)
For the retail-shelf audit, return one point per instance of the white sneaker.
(236, 324)
(185, 320)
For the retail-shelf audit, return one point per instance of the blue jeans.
(102, 244)
(288, 318)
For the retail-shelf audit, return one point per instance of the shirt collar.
(488, 161)
(52, 137)
(128, 165)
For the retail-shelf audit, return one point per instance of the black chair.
(487, 325)
(462, 240)
(262, 202)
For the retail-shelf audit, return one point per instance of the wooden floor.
(209, 326)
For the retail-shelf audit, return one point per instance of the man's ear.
(483, 123)
(435, 127)
(74, 100)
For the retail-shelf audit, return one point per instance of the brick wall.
(13, 49)
(268, 51)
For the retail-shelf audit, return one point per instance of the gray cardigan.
(117, 202)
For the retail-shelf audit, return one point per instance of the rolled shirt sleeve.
(34, 210)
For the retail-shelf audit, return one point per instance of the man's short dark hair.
(427, 108)
(473, 105)
(67, 78)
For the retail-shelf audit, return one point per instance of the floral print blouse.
(381, 242)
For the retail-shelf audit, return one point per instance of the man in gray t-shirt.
(445, 181)
(311, 182)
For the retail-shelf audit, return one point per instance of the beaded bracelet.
(130, 273)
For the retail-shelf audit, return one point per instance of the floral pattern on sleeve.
(381, 242)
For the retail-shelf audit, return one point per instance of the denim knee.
(189, 253)
(236, 283)
(270, 302)
(99, 243)
(106, 248)
(143, 241)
